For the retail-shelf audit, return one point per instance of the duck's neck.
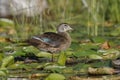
(66, 35)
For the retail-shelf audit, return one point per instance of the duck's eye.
(65, 25)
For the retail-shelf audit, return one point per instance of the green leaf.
(44, 54)
(18, 53)
(31, 49)
(6, 22)
(84, 53)
(109, 54)
(1, 57)
(2, 73)
(99, 63)
(89, 46)
(55, 76)
(81, 66)
(20, 66)
(62, 58)
(116, 32)
(7, 61)
(98, 39)
(54, 68)
(94, 56)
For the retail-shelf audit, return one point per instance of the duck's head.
(64, 27)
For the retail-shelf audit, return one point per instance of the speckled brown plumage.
(53, 42)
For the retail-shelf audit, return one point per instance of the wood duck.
(53, 42)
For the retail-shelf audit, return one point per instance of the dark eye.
(65, 25)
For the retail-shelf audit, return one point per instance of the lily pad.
(109, 54)
(84, 53)
(44, 54)
(7, 61)
(94, 56)
(30, 49)
(55, 76)
(62, 59)
(98, 71)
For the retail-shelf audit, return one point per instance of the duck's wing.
(49, 38)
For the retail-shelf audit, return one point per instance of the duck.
(53, 42)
